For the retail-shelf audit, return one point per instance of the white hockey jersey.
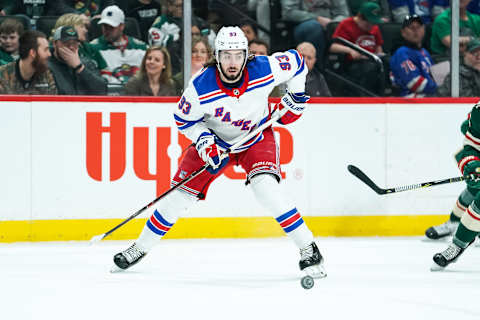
(208, 106)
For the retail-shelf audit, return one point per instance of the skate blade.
(116, 269)
(435, 267)
(316, 272)
(443, 239)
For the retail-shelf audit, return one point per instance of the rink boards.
(74, 167)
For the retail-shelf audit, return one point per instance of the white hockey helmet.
(231, 38)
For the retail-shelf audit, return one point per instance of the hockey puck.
(307, 282)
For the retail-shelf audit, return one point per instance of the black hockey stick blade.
(363, 177)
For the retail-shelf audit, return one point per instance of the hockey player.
(463, 201)
(223, 103)
(469, 164)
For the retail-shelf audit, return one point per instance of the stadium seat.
(428, 36)
(281, 37)
(23, 19)
(46, 24)
(336, 73)
(132, 29)
(333, 60)
(392, 38)
(114, 89)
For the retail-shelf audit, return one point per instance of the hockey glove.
(295, 104)
(471, 173)
(208, 151)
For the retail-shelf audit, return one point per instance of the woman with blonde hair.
(202, 53)
(154, 77)
(86, 51)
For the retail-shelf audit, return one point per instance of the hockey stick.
(275, 117)
(363, 177)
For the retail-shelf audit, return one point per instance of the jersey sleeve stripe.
(300, 61)
(417, 84)
(470, 140)
(472, 137)
(464, 161)
(183, 124)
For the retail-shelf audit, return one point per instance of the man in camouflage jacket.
(29, 74)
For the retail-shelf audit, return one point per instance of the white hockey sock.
(463, 201)
(268, 192)
(163, 218)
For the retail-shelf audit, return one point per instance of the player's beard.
(40, 65)
(232, 78)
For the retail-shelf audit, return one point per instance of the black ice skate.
(311, 261)
(128, 258)
(447, 256)
(442, 230)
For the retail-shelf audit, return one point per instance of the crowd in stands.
(135, 47)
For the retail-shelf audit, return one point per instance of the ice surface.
(368, 278)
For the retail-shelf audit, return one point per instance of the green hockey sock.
(453, 217)
(463, 236)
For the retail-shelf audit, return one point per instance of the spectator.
(166, 31)
(10, 32)
(249, 29)
(362, 30)
(145, 12)
(441, 29)
(311, 18)
(354, 5)
(473, 6)
(201, 28)
(424, 9)
(221, 13)
(166, 28)
(438, 6)
(155, 75)
(469, 73)
(410, 64)
(89, 8)
(123, 54)
(262, 15)
(71, 75)
(89, 55)
(258, 47)
(315, 84)
(201, 54)
(29, 74)
(35, 9)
